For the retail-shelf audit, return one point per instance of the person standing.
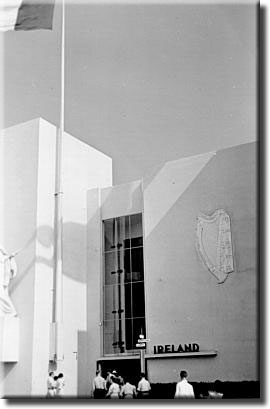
(183, 388)
(144, 387)
(116, 376)
(99, 386)
(128, 391)
(114, 389)
(50, 385)
(108, 380)
(55, 378)
(60, 384)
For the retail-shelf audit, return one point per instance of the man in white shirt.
(50, 386)
(128, 391)
(183, 388)
(144, 387)
(99, 386)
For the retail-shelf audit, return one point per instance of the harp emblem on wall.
(214, 243)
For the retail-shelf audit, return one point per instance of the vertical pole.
(58, 256)
(142, 360)
(142, 351)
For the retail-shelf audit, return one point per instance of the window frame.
(103, 285)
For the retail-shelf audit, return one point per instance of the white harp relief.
(214, 243)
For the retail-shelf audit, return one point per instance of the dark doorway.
(129, 369)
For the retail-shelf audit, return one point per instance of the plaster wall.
(121, 200)
(19, 179)
(28, 191)
(184, 301)
(83, 168)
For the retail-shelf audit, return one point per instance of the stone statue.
(8, 270)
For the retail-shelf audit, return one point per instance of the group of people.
(55, 385)
(115, 387)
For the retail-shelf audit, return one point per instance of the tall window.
(123, 284)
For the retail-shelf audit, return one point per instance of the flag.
(26, 14)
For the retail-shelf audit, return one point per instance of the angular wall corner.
(9, 339)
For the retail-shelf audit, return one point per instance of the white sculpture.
(214, 243)
(8, 270)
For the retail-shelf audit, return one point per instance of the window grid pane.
(123, 283)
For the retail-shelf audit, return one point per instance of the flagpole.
(58, 251)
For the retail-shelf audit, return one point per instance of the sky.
(146, 82)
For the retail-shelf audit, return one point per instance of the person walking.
(108, 379)
(50, 385)
(99, 386)
(60, 384)
(128, 391)
(183, 388)
(144, 387)
(118, 377)
(114, 389)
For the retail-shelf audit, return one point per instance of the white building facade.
(27, 210)
(188, 236)
(172, 256)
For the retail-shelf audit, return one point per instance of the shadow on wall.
(74, 252)
(5, 369)
(75, 243)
